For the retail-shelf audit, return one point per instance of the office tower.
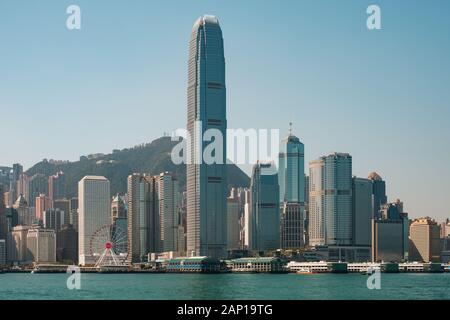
(41, 245)
(206, 183)
(42, 203)
(118, 208)
(64, 206)
(143, 217)
(25, 215)
(17, 244)
(67, 245)
(73, 217)
(2, 252)
(53, 219)
(291, 178)
(56, 186)
(330, 196)
(168, 211)
(3, 220)
(37, 184)
(265, 212)
(390, 232)
(291, 173)
(425, 241)
(94, 208)
(362, 211)
(379, 197)
(233, 226)
(291, 226)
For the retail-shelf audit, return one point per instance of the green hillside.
(152, 158)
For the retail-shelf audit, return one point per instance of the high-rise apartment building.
(206, 104)
(94, 207)
(43, 203)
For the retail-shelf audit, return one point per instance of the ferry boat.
(305, 271)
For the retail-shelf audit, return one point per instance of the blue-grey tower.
(265, 204)
(291, 178)
(206, 182)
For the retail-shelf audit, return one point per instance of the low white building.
(41, 245)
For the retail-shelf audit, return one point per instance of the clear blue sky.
(383, 96)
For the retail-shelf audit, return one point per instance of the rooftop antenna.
(290, 128)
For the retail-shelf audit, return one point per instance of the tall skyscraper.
(206, 103)
(330, 200)
(362, 211)
(56, 186)
(291, 172)
(94, 207)
(143, 217)
(168, 211)
(379, 197)
(265, 211)
(291, 178)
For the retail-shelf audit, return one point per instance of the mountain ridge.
(152, 158)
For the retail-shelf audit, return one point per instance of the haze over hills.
(152, 158)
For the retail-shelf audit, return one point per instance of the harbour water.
(231, 286)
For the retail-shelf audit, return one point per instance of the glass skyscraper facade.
(265, 208)
(291, 173)
(291, 179)
(206, 104)
(330, 200)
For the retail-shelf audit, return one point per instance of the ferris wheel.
(109, 246)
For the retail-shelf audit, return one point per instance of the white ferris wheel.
(109, 246)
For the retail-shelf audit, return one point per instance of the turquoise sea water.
(224, 286)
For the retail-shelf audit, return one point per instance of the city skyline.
(391, 112)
